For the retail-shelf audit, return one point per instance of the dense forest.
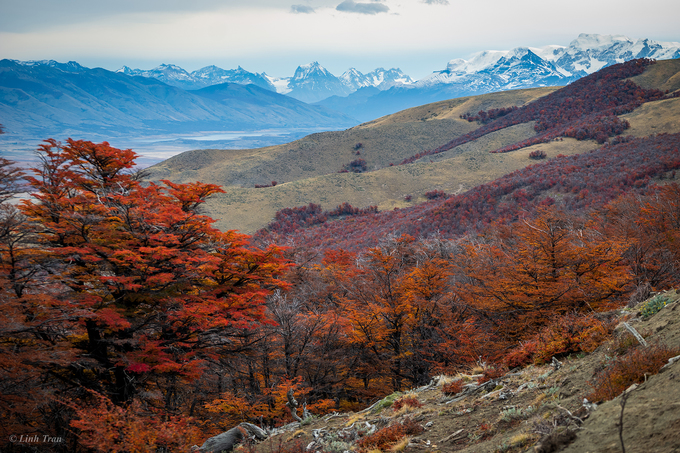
(128, 321)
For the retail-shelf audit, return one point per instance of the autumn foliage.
(129, 323)
(122, 289)
(390, 435)
(628, 369)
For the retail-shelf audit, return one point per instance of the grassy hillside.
(306, 170)
(385, 140)
(249, 209)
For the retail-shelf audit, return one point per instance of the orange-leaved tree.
(537, 268)
(396, 300)
(143, 291)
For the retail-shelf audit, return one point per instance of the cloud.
(436, 2)
(349, 6)
(304, 9)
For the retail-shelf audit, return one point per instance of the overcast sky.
(275, 36)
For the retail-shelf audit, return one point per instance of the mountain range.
(310, 83)
(51, 99)
(210, 75)
(47, 98)
(485, 72)
(491, 71)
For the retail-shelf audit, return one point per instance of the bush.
(406, 401)
(537, 154)
(492, 373)
(522, 355)
(386, 402)
(356, 166)
(570, 334)
(653, 306)
(434, 194)
(453, 388)
(629, 369)
(390, 435)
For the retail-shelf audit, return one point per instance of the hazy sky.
(275, 36)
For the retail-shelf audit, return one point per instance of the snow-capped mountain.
(589, 52)
(380, 78)
(312, 82)
(497, 70)
(210, 75)
(71, 66)
(525, 67)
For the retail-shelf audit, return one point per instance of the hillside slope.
(306, 170)
(538, 408)
(383, 141)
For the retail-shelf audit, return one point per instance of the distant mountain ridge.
(485, 72)
(310, 83)
(210, 75)
(491, 70)
(50, 99)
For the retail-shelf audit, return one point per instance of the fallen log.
(226, 441)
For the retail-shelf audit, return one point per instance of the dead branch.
(292, 405)
(635, 333)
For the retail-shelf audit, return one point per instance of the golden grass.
(401, 445)
(664, 75)
(522, 439)
(248, 210)
(453, 108)
(353, 418)
(654, 118)
(295, 435)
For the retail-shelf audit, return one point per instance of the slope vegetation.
(539, 408)
(306, 170)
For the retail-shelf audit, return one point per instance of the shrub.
(572, 333)
(356, 166)
(492, 373)
(406, 401)
(263, 186)
(653, 306)
(516, 413)
(522, 355)
(631, 368)
(434, 194)
(453, 387)
(389, 436)
(538, 154)
(386, 402)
